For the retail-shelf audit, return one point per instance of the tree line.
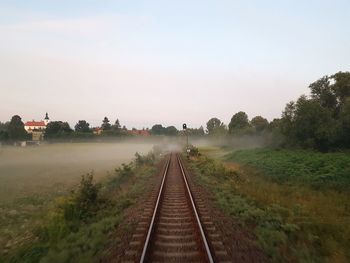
(13, 130)
(319, 121)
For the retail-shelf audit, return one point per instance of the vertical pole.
(184, 127)
(187, 148)
(187, 138)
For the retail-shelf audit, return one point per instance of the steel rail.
(145, 247)
(207, 249)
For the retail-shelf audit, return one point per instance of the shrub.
(86, 197)
(144, 159)
(194, 151)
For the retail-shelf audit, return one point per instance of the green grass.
(77, 228)
(319, 170)
(293, 222)
(32, 178)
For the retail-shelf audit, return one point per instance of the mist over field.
(109, 110)
(51, 167)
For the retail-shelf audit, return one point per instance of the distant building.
(37, 128)
(139, 132)
(97, 130)
(31, 126)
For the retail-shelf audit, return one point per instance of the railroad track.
(175, 233)
(172, 227)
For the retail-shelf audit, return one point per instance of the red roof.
(140, 132)
(35, 123)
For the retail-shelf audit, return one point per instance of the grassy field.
(32, 178)
(319, 170)
(296, 202)
(81, 224)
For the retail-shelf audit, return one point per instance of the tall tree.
(214, 125)
(16, 129)
(307, 123)
(275, 125)
(82, 126)
(56, 129)
(287, 121)
(321, 121)
(343, 134)
(322, 91)
(3, 131)
(4, 136)
(239, 122)
(105, 124)
(4, 126)
(116, 126)
(332, 92)
(341, 86)
(171, 131)
(259, 124)
(314, 124)
(157, 129)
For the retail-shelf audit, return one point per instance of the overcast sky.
(167, 62)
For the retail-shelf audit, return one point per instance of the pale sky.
(168, 62)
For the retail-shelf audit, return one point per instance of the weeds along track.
(174, 232)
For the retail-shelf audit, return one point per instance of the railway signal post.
(184, 127)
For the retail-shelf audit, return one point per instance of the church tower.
(46, 119)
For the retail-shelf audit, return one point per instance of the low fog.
(51, 167)
(234, 143)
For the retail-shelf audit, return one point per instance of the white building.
(37, 126)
